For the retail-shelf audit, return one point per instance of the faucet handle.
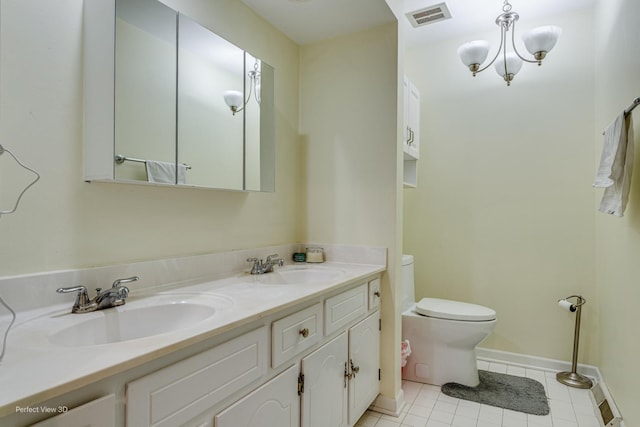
(127, 280)
(255, 261)
(270, 257)
(82, 298)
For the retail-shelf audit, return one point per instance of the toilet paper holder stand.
(574, 379)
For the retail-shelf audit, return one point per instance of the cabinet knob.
(377, 293)
(304, 332)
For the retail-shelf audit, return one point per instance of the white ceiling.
(308, 21)
(471, 16)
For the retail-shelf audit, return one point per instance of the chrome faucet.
(108, 298)
(260, 267)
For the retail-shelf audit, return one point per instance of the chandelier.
(538, 42)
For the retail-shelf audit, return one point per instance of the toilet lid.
(454, 310)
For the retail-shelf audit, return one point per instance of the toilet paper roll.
(566, 305)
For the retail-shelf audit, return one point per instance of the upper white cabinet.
(411, 120)
(411, 126)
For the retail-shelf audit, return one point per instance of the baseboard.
(543, 363)
(389, 406)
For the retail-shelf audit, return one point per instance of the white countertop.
(35, 369)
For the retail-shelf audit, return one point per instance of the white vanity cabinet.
(341, 378)
(411, 128)
(314, 363)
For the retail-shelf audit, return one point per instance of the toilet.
(443, 335)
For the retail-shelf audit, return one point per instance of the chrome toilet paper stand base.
(574, 379)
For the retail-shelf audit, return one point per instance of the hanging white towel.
(616, 165)
(165, 172)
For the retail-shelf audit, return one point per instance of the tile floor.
(426, 406)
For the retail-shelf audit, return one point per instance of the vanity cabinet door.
(341, 377)
(364, 356)
(97, 413)
(324, 400)
(174, 395)
(276, 403)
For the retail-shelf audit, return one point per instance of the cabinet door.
(324, 400)
(276, 403)
(97, 413)
(414, 120)
(364, 355)
(175, 394)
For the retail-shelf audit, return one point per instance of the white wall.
(618, 239)
(503, 214)
(349, 137)
(66, 223)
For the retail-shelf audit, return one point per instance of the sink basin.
(299, 275)
(129, 323)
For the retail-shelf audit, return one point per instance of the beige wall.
(66, 223)
(348, 127)
(503, 214)
(618, 239)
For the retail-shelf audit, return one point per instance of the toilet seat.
(454, 310)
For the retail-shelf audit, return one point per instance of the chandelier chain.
(506, 7)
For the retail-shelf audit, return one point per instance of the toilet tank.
(408, 287)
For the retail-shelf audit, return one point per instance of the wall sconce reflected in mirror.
(234, 98)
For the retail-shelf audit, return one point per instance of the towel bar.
(633, 105)
(630, 108)
(121, 159)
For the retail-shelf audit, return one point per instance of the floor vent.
(607, 415)
(429, 15)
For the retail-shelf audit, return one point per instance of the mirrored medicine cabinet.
(169, 101)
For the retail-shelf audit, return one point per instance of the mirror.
(173, 123)
(260, 149)
(210, 137)
(145, 86)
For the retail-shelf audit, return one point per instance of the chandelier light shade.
(233, 99)
(513, 66)
(541, 40)
(538, 42)
(474, 53)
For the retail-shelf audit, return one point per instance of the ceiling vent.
(429, 15)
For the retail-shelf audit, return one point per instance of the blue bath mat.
(504, 391)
